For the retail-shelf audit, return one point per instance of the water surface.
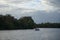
(43, 34)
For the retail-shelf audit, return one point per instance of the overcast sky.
(39, 10)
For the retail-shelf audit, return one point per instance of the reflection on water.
(43, 34)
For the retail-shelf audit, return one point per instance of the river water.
(43, 34)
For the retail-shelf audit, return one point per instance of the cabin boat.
(37, 29)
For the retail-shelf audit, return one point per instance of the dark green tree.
(26, 22)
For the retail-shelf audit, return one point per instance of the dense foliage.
(49, 25)
(9, 22)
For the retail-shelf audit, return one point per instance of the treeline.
(48, 25)
(8, 22)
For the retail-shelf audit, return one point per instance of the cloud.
(55, 3)
(38, 16)
(3, 6)
(40, 10)
(42, 17)
(17, 1)
(28, 4)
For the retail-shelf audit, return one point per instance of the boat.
(37, 29)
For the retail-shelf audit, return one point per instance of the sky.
(41, 11)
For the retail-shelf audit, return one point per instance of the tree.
(7, 22)
(26, 22)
